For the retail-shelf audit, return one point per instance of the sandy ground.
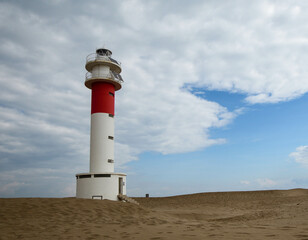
(226, 215)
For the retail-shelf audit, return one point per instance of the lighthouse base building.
(104, 79)
(100, 185)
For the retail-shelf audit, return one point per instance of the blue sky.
(214, 99)
(255, 155)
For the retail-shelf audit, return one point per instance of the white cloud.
(300, 155)
(171, 122)
(21, 133)
(261, 183)
(245, 182)
(266, 182)
(37, 181)
(249, 50)
(10, 188)
(256, 48)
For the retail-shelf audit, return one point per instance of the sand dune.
(225, 215)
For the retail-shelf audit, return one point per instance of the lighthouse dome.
(103, 52)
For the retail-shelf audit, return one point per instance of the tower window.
(111, 94)
(110, 160)
(110, 137)
(110, 115)
(102, 175)
(85, 176)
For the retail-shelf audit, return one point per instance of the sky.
(214, 99)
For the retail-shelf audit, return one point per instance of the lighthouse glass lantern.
(104, 79)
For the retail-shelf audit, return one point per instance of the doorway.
(120, 185)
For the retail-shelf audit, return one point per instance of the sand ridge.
(280, 214)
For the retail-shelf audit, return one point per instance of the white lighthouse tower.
(103, 78)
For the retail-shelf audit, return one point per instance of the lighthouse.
(103, 79)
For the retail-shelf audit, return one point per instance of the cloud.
(171, 122)
(249, 50)
(38, 182)
(263, 183)
(266, 183)
(10, 188)
(245, 182)
(46, 99)
(300, 155)
(257, 49)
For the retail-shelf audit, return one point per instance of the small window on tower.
(102, 175)
(110, 161)
(85, 176)
(110, 137)
(110, 115)
(111, 94)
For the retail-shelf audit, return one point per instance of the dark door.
(120, 185)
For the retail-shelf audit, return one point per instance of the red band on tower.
(102, 98)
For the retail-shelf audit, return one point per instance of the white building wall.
(107, 187)
(102, 148)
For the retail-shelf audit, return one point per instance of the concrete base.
(100, 185)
